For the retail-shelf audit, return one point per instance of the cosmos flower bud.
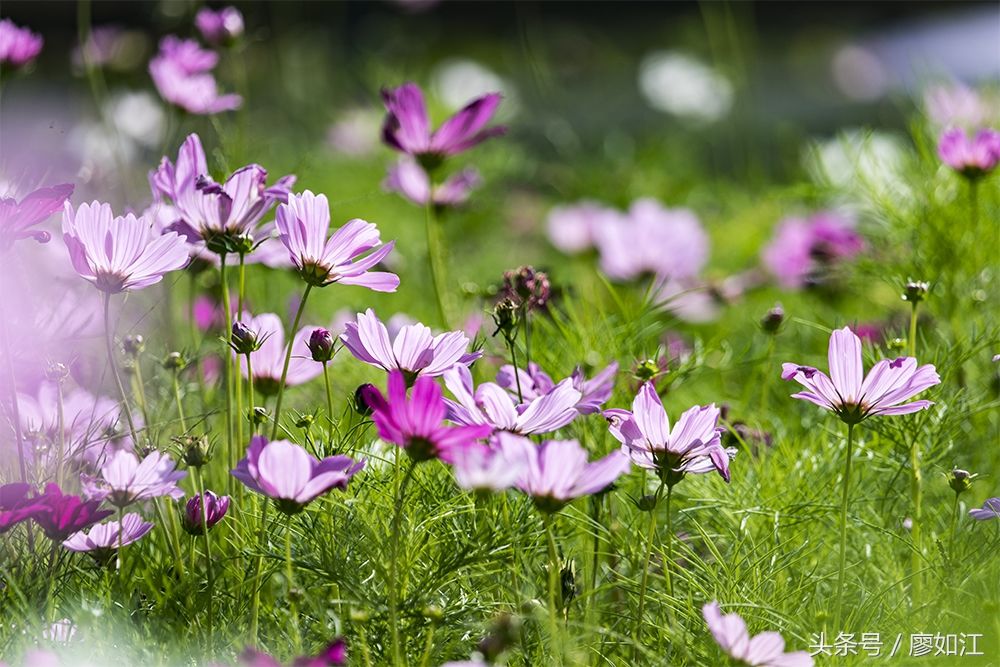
(258, 415)
(502, 635)
(915, 291)
(362, 399)
(505, 315)
(647, 503)
(321, 345)
(432, 613)
(243, 340)
(896, 345)
(195, 450)
(304, 421)
(960, 480)
(56, 372)
(134, 345)
(773, 319)
(527, 287)
(197, 520)
(174, 362)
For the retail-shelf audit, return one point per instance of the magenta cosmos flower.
(195, 517)
(558, 471)
(65, 514)
(693, 446)
(492, 405)
(290, 475)
(334, 655)
(219, 27)
(303, 222)
(182, 74)
(118, 254)
(535, 382)
(268, 360)
(17, 505)
(804, 249)
(413, 349)
(416, 423)
(218, 215)
(126, 479)
(990, 510)
(18, 219)
(408, 179)
(104, 538)
(18, 46)
(850, 394)
(972, 157)
(764, 650)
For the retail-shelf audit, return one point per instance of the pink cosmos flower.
(334, 655)
(409, 179)
(575, 227)
(492, 405)
(219, 27)
(850, 394)
(126, 479)
(103, 539)
(181, 72)
(693, 446)
(415, 423)
(18, 46)
(972, 157)
(535, 382)
(195, 518)
(413, 349)
(118, 254)
(210, 213)
(558, 471)
(290, 475)
(804, 248)
(764, 650)
(65, 514)
(990, 510)
(18, 219)
(484, 468)
(269, 359)
(303, 223)
(407, 128)
(88, 423)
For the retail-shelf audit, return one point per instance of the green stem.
(109, 343)
(227, 334)
(428, 647)
(250, 405)
(394, 562)
(237, 377)
(513, 361)
(974, 203)
(292, 594)
(172, 539)
(644, 582)
(288, 359)
(209, 569)
(954, 523)
(913, 329)
(366, 653)
(177, 398)
(329, 406)
(843, 527)
(527, 336)
(140, 392)
(258, 566)
(554, 638)
(669, 562)
(435, 257)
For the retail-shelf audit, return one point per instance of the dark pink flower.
(972, 157)
(65, 514)
(290, 475)
(334, 655)
(18, 46)
(18, 219)
(407, 127)
(17, 505)
(219, 27)
(764, 650)
(215, 508)
(416, 423)
(804, 248)
(181, 72)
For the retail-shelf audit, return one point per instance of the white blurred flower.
(458, 82)
(679, 84)
(355, 132)
(138, 116)
(859, 74)
(866, 167)
(60, 632)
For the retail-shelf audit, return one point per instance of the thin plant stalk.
(435, 259)
(397, 517)
(644, 582)
(916, 486)
(140, 392)
(209, 569)
(226, 363)
(669, 561)
(513, 362)
(292, 603)
(250, 405)
(288, 359)
(236, 375)
(177, 399)
(109, 343)
(258, 566)
(329, 404)
(172, 539)
(428, 646)
(556, 643)
(843, 527)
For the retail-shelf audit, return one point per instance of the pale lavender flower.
(850, 394)
(60, 632)
(596, 391)
(764, 650)
(18, 46)
(693, 446)
(953, 104)
(88, 423)
(103, 539)
(181, 72)
(413, 349)
(20, 219)
(972, 157)
(355, 132)
(303, 222)
(534, 382)
(118, 254)
(219, 27)
(558, 471)
(483, 468)
(127, 480)
(290, 475)
(407, 127)
(575, 227)
(990, 510)
(268, 361)
(409, 179)
(803, 249)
